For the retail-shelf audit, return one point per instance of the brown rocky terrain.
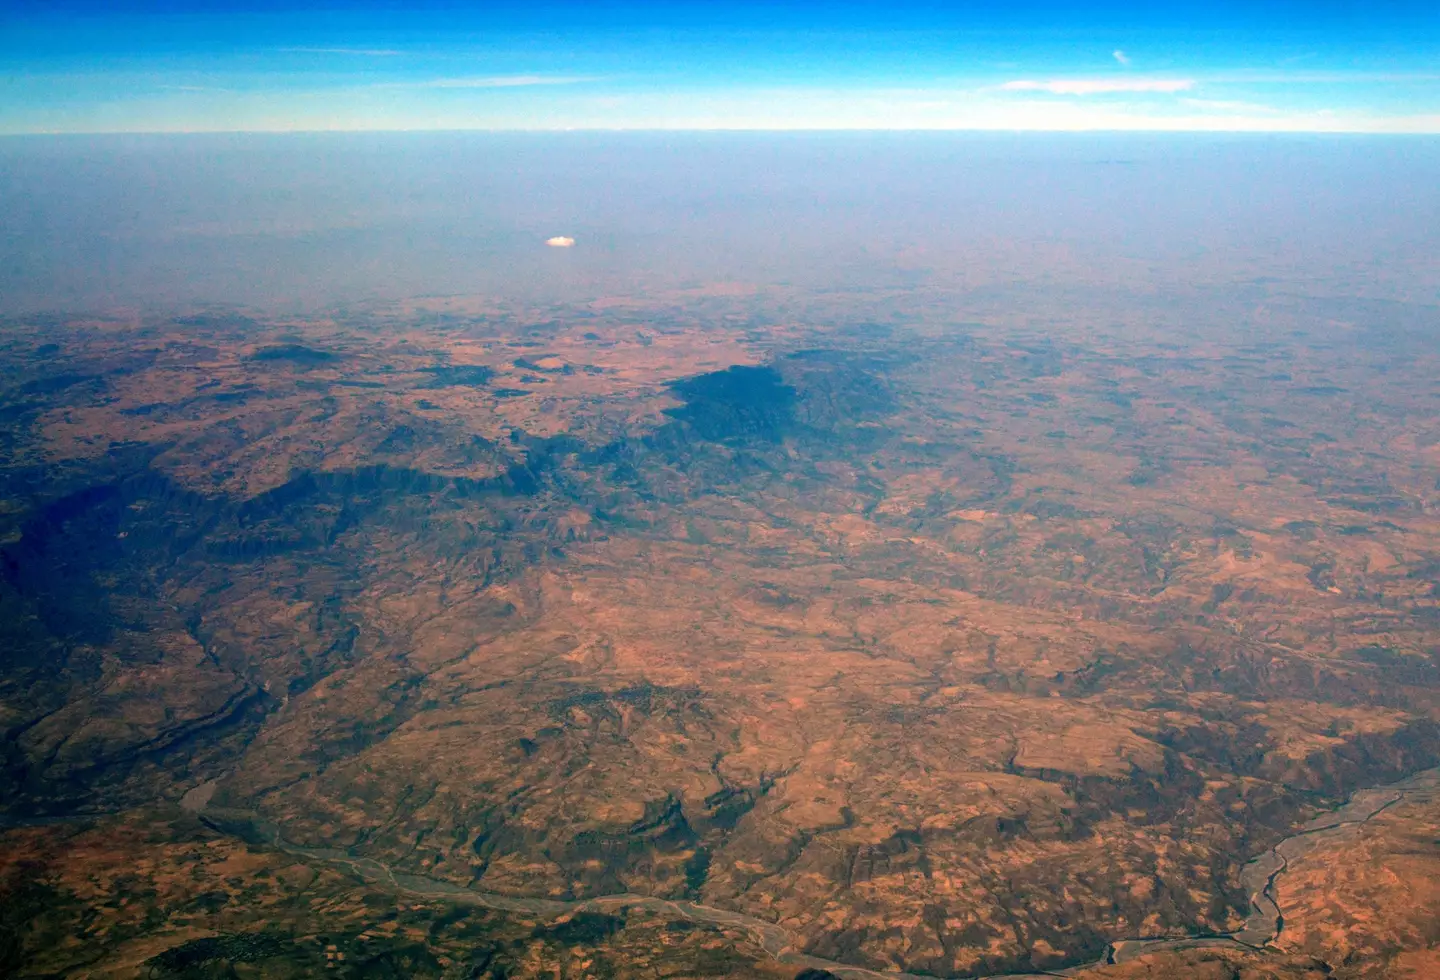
(956, 649)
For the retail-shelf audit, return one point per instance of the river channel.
(1259, 877)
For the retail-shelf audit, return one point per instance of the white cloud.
(1099, 86)
(1121, 57)
(560, 241)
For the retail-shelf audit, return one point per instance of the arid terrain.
(829, 631)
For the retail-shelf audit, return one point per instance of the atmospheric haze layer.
(720, 555)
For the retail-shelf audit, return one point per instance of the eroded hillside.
(956, 650)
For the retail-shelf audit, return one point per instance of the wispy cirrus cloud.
(1121, 57)
(1099, 86)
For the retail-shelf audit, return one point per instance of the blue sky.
(168, 66)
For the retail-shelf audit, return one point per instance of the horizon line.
(754, 130)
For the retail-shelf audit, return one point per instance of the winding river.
(1259, 878)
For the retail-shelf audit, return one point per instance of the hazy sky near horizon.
(266, 65)
(1114, 221)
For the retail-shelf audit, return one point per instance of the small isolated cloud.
(560, 241)
(1121, 57)
(1099, 86)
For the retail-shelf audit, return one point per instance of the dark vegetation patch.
(1380, 503)
(820, 405)
(1218, 594)
(737, 404)
(242, 947)
(647, 698)
(1322, 575)
(58, 555)
(821, 398)
(455, 448)
(1428, 570)
(1304, 530)
(23, 902)
(57, 383)
(1044, 508)
(1148, 471)
(376, 486)
(207, 322)
(725, 808)
(836, 392)
(697, 869)
(599, 857)
(1402, 668)
(586, 928)
(532, 364)
(1037, 360)
(297, 354)
(458, 376)
(1368, 759)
